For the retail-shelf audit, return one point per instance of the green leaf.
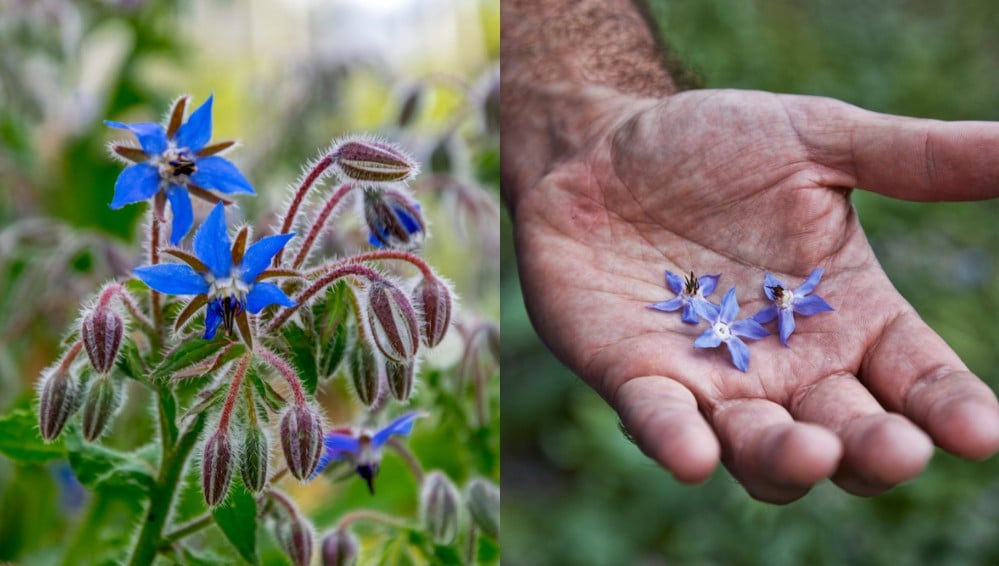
(237, 518)
(102, 468)
(186, 355)
(20, 440)
(270, 397)
(332, 353)
(130, 361)
(488, 551)
(302, 348)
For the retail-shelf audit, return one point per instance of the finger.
(776, 459)
(907, 158)
(913, 371)
(880, 450)
(662, 416)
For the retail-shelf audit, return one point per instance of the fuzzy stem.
(374, 255)
(409, 458)
(189, 528)
(69, 356)
(318, 285)
(154, 258)
(285, 370)
(113, 290)
(289, 218)
(251, 407)
(230, 399)
(320, 223)
(369, 515)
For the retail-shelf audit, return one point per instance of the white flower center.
(175, 165)
(722, 330)
(232, 286)
(785, 299)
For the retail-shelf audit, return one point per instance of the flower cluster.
(725, 326)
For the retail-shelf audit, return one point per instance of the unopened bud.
(99, 406)
(439, 505)
(254, 458)
(101, 331)
(367, 373)
(394, 219)
(293, 532)
(302, 440)
(57, 401)
(400, 377)
(373, 162)
(339, 548)
(484, 506)
(433, 299)
(393, 321)
(216, 468)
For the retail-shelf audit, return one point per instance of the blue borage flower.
(221, 275)
(363, 450)
(173, 163)
(726, 330)
(691, 293)
(786, 302)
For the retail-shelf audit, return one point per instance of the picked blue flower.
(224, 276)
(690, 295)
(363, 449)
(726, 330)
(787, 302)
(173, 163)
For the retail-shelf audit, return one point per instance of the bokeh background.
(288, 77)
(577, 492)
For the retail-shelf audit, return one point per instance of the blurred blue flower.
(364, 449)
(224, 277)
(787, 302)
(691, 293)
(725, 329)
(394, 219)
(72, 494)
(173, 163)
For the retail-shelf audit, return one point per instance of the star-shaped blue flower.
(173, 163)
(691, 293)
(726, 330)
(787, 302)
(364, 449)
(221, 275)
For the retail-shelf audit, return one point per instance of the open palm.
(738, 183)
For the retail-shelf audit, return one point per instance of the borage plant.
(231, 335)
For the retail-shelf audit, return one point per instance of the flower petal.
(708, 339)
(785, 324)
(265, 294)
(750, 329)
(812, 304)
(668, 306)
(729, 307)
(739, 352)
(706, 309)
(136, 183)
(809, 285)
(258, 257)
(183, 214)
(338, 444)
(766, 315)
(172, 279)
(212, 244)
(768, 282)
(689, 315)
(196, 132)
(213, 318)
(674, 282)
(151, 136)
(219, 173)
(707, 283)
(402, 425)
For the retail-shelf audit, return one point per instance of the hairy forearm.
(568, 66)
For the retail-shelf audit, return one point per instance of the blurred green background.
(576, 492)
(288, 77)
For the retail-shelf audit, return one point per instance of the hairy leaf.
(20, 440)
(237, 518)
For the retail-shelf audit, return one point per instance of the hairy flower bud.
(483, 501)
(216, 468)
(370, 161)
(101, 332)
(302, 440)
(57, 401)
(253, 459)
(393, 321)
(339, 548)
(439, 506)
(400, 377)
(294, 534)
(394, 219)
(433, 299)
(99, 406)
(367, 373)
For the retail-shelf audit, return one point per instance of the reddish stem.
(285, 370)
(412, 258)
(310, 179)
(154, 258)
(320, 284)
(230, 399)
(320, 222)
(69, 356)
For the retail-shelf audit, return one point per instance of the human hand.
(739, 182)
